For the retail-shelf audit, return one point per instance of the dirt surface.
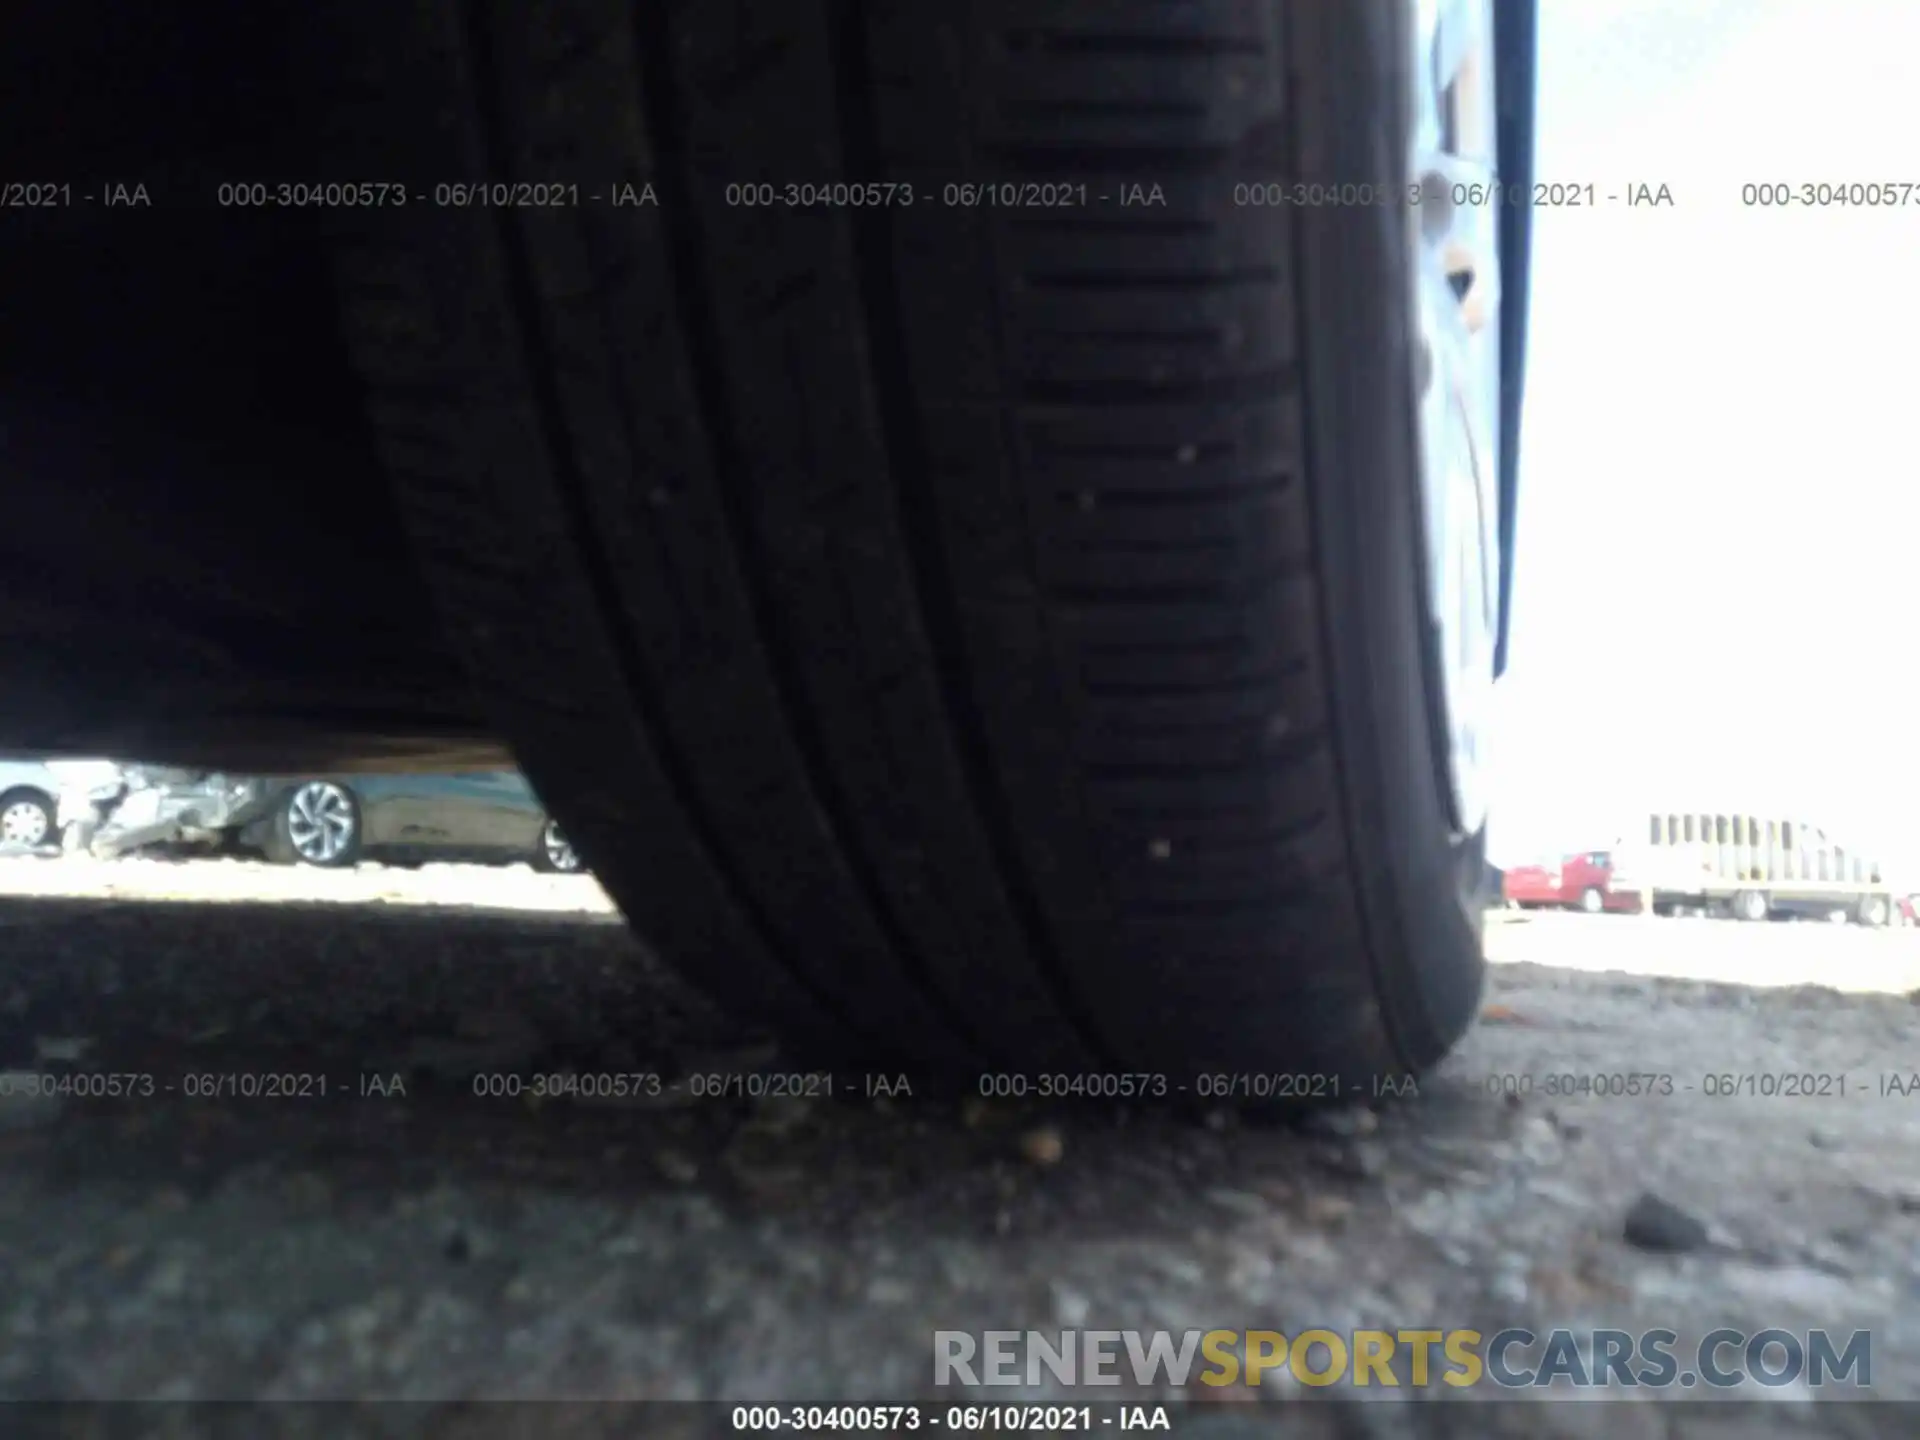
(448, 1245)
(137, 877)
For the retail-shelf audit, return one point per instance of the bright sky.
(1718, 554)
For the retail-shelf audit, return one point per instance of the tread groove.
(1161, 226)
(1136, 281)
(1216, 689)
(1120, 162)
(548, 408)
(1067, 43)
(594, 564)
(932, 585)
(1117, 596)
(1046, 111)
(1211, 337)
(654, 42)
(1245, 387)
(1186, 497)
(1292, 750)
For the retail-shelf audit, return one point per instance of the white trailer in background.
(1756, 866)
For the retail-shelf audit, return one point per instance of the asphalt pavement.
(266, 1152)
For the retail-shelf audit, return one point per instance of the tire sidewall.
(1413, 873)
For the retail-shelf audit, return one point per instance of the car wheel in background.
(555, 852)
(317, 823)
(28, 819)
(1872, 911)
(1043, 639)
(1750, 905)
(1592, 901)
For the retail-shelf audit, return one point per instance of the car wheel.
(1872, 912)
(318, 823)
(1053, 639)
(556, 852)
(28, 818)
(1592, 901)
(1751, 905)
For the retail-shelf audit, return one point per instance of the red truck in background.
(1584, 881)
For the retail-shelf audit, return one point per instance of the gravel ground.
(442, 1246)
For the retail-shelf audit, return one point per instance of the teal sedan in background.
(490, 815)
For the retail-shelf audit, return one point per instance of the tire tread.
(915, 614)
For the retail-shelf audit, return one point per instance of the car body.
(484, 815)
(156, 805)
(1532, 886)
(89, 789)
(331, 820)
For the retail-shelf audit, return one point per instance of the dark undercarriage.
(202, 563)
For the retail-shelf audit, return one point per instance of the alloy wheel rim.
(24, 823)
(560, 852)
(320, 821)
(1456, 289)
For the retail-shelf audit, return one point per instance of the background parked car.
(335, 820)
(1586, 881)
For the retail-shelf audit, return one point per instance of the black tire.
(281, 849)
(1592, 902)
(989, 638)
(26, 800)
(1751, 906)
(1872, 912)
